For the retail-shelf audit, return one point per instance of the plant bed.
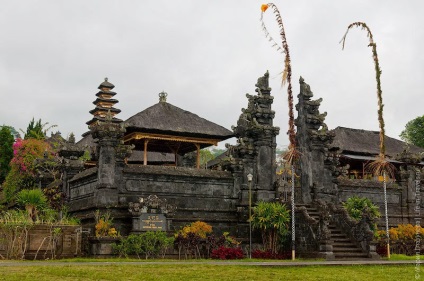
(40, 241)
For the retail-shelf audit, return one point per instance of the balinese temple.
(161, 134)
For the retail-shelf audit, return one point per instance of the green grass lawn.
(170, 272)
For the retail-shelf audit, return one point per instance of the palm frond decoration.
(381, 166)
(292, 153)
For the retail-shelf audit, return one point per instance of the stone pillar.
(317, 165)
(107, 135)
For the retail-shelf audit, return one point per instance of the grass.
(204, 272)
(122, 269)
(398, 257)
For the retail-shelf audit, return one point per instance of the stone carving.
(151, 204)
(318, 165)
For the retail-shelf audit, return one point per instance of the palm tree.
(33, 200)
(379, 167)
(272, 219)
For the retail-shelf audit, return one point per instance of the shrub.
(356, 206)
(149, 244)
(224, 253)
(104, 225)
(198, 228)
(402, 239)
(272, 219)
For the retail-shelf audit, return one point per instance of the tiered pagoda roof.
(104, 104)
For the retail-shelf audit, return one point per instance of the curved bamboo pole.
(379, 167)
(292, 153)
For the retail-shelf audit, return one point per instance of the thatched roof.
(363, 142)
(86, 141)
(165, 118)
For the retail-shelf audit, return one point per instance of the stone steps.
(343, 247)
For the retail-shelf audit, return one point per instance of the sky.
(207, 55)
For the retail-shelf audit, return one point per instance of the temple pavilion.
(161, 134)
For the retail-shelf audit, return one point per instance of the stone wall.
(197, 194)
(397, 210)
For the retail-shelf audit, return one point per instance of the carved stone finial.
(162, 96)
(109, 116)
(263, 82)
(105, 79)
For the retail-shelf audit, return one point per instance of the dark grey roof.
(106, 84)
(357, 141)
(166, 118)
(86, 141)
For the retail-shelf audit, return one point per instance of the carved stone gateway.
(151, 214)
(318, 164)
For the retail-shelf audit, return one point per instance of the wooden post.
(145, 152)
(198, 155)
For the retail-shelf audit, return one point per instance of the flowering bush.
(22, 168)
(198, 228)
(224, 253)
(104, 225)
(195, 240)
(26, 151)
(402, 239)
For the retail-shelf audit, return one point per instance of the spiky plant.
(379, 167)
(292, 153)
(33, 200)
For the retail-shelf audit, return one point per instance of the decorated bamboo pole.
(379, 167)
(292, 152)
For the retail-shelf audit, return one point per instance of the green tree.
(272, 219)
(37, 130)
(33, 200)
(414, 132)
(6, 151)
(205, 156)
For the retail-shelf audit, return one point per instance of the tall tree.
(6, 151)
(37, 130)
(414, 132)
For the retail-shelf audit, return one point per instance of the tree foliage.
(37, 130)
(33, 200)
(23, 167)
(6, 151)
(414, 132)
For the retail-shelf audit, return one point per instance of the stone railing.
(358, 232)
(307, 238)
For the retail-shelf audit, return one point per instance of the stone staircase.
(343, 247)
